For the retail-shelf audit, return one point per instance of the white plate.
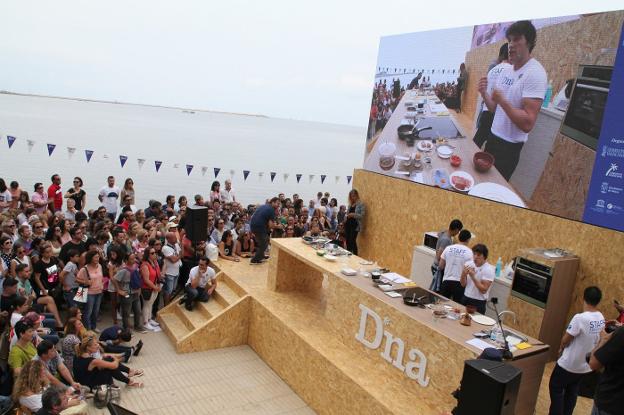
(483, 320)
(497, 193)
(330, 258)
(464, 175)
(424, 146)
(445, 151)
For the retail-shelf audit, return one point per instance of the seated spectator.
(226, 247)
(111, 339)
(41, 333)
(201, 283)
(20, 257)
(244, 244)
(92, 371)
(73, 332)
(55, 366)
(24, 350)
(217, 234)
(40, 304)
(59, 400)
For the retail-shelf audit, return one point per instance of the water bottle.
(499, 266)
(494, 333)
(548, 96)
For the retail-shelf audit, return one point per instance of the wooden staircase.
(221, 322)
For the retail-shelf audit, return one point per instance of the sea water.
(179, 137)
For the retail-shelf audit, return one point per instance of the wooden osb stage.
(307, 336)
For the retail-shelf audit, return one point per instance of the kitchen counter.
(464, 147)
(441, 343)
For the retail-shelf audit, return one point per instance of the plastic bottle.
(548, 96)
(494, 333)
(499, 266)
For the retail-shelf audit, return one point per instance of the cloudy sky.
(289, 59)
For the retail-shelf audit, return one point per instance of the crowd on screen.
(66, 267)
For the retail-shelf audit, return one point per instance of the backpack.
(136, 281)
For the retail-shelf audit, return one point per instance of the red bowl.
(483, 161)
(455, 161)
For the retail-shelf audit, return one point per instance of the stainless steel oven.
(532, 282)
(583, 119)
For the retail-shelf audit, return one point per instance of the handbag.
(81, 295)
(104, 394)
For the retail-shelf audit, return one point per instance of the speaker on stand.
(488, 388)
(196, 223)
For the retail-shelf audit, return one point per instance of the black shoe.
(182, 300)
(137, 348)
(253, 262)
(189, 307)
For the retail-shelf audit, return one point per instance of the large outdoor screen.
(527, 113)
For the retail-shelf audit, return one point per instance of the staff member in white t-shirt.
(452, 262)
(201, 283)
(515, 100)
(580, 338)
(477, 278)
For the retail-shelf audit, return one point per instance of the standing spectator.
(452, 261)
(91, 276)
(5, 197)
(76, 243)
(227, 194)
(68, 277)
(353, 220)
(150, 272)
(129, 292)
(201, 283)
(172, 254)
(16, 194)
(109, 195)
(262, 222)
(55, 194)
(609, 397)
(215, 192)
(77, 194)
(128, 192)
(445, 238)
(39, 199)
(581, 336)
(461, 84)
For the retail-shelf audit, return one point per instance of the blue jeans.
(596, 411)
(91, 311)
(195, 294)
(171, 281)
(69, 297)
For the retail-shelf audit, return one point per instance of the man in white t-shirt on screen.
(477, 278)
(516, 98)
(580, 338)
(452, 261)
(201, 283)
(172, 263)
(109, 195)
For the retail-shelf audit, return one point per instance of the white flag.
(31, 144)
(70, 151)
(141, 163)
(204, 169)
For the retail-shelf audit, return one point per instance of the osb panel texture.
(560, 49)
(569, 168)
(399, 212)
(344, 314)
(315, 379)
(230, 328)
(296, 275)
(528, 317)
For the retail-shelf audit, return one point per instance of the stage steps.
(221, 322)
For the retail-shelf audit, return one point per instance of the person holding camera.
(607, 356)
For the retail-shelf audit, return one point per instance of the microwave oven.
(430, 240)
(583, 119)
(532, 282)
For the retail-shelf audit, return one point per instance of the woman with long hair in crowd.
(77, 194)
(92, 277)
(226, 247)
(53, 237)
(244, 244)
(353, 221)
(127, 191)
(151, 286)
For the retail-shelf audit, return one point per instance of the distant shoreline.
(132, 103)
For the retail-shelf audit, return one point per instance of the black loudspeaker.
(196, 223)
(488, 388)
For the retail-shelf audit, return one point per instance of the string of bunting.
(159, 163)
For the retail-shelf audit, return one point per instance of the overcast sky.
(289, 59)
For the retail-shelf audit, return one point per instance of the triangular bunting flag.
(216, 171)
(273, 174)
(245, 174)
(88, 155)
(141, 162)
(51, 148)
(232, 172)
(10, 140)
(349, 179)
(204, 169)
(70, 151)
(122, 160)
(337, 179)
(298, 177)
(310, 177)
(157, 164)
(31, 144)
(260, 175)
(189, 168)
(323, 176)
(286, 175)
(176, 165)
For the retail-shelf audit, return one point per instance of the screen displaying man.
(515, 100)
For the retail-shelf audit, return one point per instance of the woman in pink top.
(91, 276)
(40, 199)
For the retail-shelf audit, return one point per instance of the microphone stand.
(507, 355)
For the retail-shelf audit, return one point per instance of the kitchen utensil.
(462, 181)
(483, 161)
(405, 131)
(496, 192)
(330, 258)
(386, 155)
